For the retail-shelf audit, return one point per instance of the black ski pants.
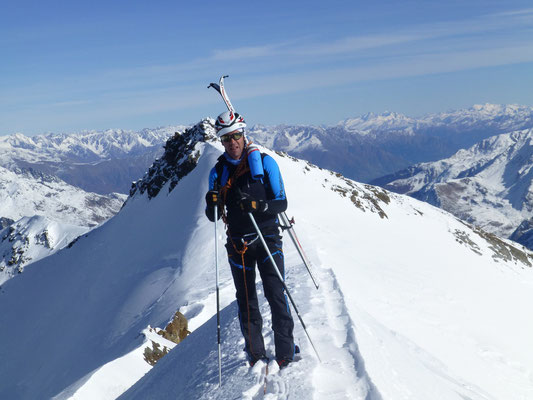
(249, 314)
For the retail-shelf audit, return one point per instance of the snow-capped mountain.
(31, 239)
(83, 147)
(329, 147)
(374, 145)
(25, 193)
(375, 124)
(413, 303)
(495, 118)
(488, 185)
(96, 161)
(362, 148)
(503, 117)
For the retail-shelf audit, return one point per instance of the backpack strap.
(219, 168)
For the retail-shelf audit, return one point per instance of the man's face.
(234, 147)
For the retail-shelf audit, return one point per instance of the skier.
(233, 190)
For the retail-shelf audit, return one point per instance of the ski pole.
(292, 233)
(218, 300)
(282, 282)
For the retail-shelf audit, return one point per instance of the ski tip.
(214, 86)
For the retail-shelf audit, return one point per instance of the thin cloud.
(244, 52)
(350, 45)
(524, 12)
(486, 24)
(278, 84)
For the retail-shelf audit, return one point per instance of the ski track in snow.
(329, 326)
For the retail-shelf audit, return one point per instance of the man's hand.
(249, 204)
(212, 199)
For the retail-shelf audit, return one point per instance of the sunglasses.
(227, 138)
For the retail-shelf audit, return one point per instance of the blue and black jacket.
(269, 189)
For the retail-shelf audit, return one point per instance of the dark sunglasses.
(227, 138)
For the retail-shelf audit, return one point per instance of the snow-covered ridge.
(30, 192)
(488, 185)
(31, 239)
(388, 372)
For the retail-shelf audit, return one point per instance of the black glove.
(212, 199)
(249, 204)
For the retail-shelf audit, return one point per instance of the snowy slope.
(30, 239)
(24, 193)
(488, 184)
(413, 303)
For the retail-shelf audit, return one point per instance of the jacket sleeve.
(210, 211)
(278, 203)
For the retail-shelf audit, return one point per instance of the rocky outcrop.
(175, 332)
(180, 157)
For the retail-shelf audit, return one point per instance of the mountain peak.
(508, 116)
(180, 157)
(371, 123)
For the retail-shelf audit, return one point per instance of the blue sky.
(69, 66)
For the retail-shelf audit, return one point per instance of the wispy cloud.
(527, 12)
(350, 45)
(244, 52)
(474, 29)
(419, 65)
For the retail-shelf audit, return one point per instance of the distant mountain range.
(489, 184)
(363, 148)
(25, 193)
(371, 146)
(96, 161)
(74, 178)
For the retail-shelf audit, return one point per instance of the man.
(233, 190)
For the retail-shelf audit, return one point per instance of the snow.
(368, 124)
(412, 304)
(488, 184)
(31, 239)
(25, 195)
(88, 146)
(110, 380)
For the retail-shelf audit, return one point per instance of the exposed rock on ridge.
(180, 157)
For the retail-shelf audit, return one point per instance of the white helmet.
(228, 122)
